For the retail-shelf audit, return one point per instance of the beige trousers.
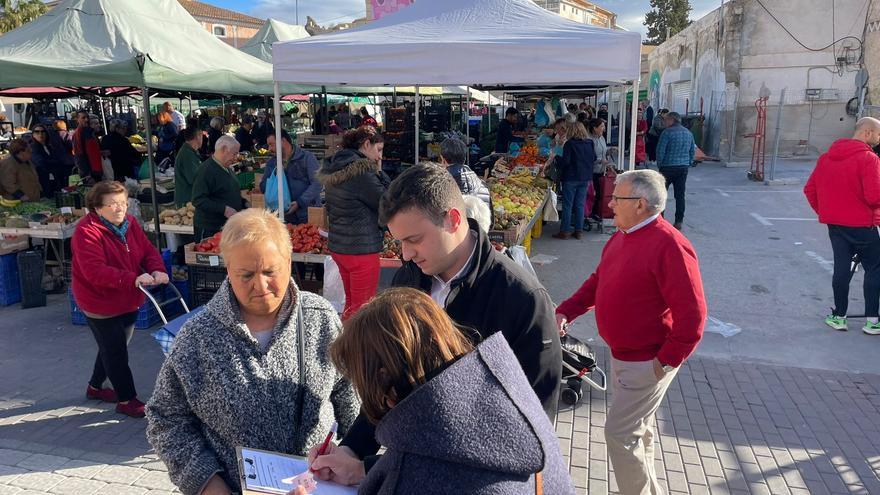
(635, 396)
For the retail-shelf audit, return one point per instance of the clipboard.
(264, 472)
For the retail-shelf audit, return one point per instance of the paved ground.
(779, 408)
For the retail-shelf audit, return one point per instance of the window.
(220, 31)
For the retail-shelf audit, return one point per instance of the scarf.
(119, 231)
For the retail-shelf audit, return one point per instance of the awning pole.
(621, 124)
(467, 125)
(634, 125)
(279, 160)
(607, 124)
(416, 162)
(103, 117)
(149, 134)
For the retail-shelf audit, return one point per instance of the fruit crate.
(200, 297)
(148, 315)
(30, 271)
(206, 278)
(77, 317)
(194, 258)
(10, 289)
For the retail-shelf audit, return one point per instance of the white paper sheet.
(267, 472)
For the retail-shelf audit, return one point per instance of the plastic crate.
(77, 317)
(167, 256)
(200, 297)
(206, 278)
(246, 180)
(10, 289)
(30, 272)
(175, 309)
(148, 315)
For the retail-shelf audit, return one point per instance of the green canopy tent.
(154, 45)
(273, 30)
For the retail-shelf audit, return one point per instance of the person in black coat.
(46, 162)
(453, 416)
(243, 134)
(453, 153)
(505, 131)
(575, 171)
(448, 257)
(123, 155)
(353, 185)
(215, 130)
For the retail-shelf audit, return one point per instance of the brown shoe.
(677, 225)
(577, 234)
(562, 235)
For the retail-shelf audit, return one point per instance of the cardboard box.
(320, 141)
(318, 216)
(193, 257)
(256, 199)
(13, 243)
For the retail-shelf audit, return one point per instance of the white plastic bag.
(518, 253)
(551, 212)
(107, 168)
(334, 291)
(714, 325)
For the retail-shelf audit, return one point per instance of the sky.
(631, 13)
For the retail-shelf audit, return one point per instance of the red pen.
(323, 449)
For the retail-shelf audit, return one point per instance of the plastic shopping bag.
(271, 196)
(518, 254)
(334, 291)
(107, 168)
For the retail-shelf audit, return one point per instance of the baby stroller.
(578, 362)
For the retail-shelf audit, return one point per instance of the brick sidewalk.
(723, 429)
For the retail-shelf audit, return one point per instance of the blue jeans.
(574, 194)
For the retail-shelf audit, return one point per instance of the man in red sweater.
(844, 189)
(650, 309)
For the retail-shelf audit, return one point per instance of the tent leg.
(149, 140)
(279, 163)
(608, 124)
(467, 124)
(325, 112)
(416, 159)
(621, 125)
(634, 126)
(103, 117)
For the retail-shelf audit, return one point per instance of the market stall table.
(55, 237)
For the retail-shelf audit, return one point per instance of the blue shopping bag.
(166, 334)
(271, 195)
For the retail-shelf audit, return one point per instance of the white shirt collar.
(440, 290)
(642, 224)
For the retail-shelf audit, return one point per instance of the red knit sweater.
(648, 295)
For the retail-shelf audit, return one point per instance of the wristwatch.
(667, 368)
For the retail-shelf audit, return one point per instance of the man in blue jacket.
(675, 154)
(305, 190)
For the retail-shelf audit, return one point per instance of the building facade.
(723, 63)
(230, 26)
(581, 11)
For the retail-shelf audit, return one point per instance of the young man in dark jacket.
(447, 256)
(844, 190)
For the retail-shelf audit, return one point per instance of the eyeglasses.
(618, 198)
(118, 204)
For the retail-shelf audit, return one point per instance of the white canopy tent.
(501, 44)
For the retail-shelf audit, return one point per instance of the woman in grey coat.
(251, 370)
(454, 419)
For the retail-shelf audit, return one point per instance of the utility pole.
(297, 12)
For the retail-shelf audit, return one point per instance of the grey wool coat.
(476, 428)
(217, 390)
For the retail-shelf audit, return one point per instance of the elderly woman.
(112, 257)
(46, 160)
(453, 418)
(251, 370)
(18, 177)
(215, 130)
(353, 185)
(123, 155)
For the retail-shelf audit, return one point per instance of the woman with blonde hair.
(453, 418)
(252, 369)
(575, 168)
(167, 133)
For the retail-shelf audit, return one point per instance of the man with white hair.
(650, 310)
(844, 190)
(216, 193)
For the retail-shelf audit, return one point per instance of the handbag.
(271, 195)
(107, 168)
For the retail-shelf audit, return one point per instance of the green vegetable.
(28, 209)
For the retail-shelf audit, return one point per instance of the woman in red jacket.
(111, 258)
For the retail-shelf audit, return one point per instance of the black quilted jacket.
(353, 186)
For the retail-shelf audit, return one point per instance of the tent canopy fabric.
(497, 43)
(88, 43)
(273, 30)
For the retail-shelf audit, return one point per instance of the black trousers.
(596, 211)
(847, 242)
(112, 360)
(677, 178)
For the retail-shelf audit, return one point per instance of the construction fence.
(806, 121)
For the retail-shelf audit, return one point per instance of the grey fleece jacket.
(218, 390)
(477, 428)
